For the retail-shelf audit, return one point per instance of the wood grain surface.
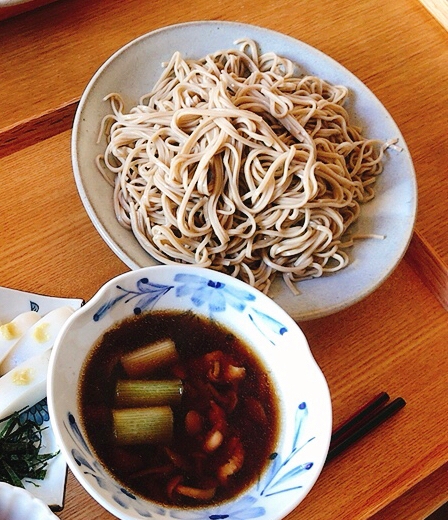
(395, 48)
(394, 340)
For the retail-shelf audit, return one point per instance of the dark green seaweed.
(20, 444)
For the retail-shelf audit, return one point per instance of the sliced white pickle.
(37, 339)
(141, 392)
(152, 425)
(11, 332)
(24, 385)
(146, 360)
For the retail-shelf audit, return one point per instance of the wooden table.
(395, 340)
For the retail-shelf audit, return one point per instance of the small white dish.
(133, 70)
(12, 303)
(304, 398)
(19, 504)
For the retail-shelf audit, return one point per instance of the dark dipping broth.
(244, 410)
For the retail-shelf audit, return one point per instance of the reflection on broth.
(178, 408)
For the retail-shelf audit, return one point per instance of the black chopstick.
(372, 419)
(358, 418)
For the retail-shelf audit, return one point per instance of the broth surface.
(251, 416)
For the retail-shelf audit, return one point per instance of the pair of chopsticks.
(371, 415)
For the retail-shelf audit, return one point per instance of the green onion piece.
(136, 393)
(146, 360)
(143, 425)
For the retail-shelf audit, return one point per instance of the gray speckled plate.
(133, 70)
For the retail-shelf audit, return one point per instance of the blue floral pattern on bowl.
(203, 292)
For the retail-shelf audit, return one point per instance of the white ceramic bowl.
(133, 70)
(305, 405)
(18, 504)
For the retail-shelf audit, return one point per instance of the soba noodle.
(237, 163)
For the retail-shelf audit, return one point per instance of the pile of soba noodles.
(237, 163)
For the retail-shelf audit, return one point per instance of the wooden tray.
(439, 9)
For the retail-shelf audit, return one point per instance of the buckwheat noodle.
(237, 163)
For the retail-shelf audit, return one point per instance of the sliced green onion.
(136, 392)
(143, 425)
(146, 360)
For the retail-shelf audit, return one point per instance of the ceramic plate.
(133, 70)
(13, 303)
